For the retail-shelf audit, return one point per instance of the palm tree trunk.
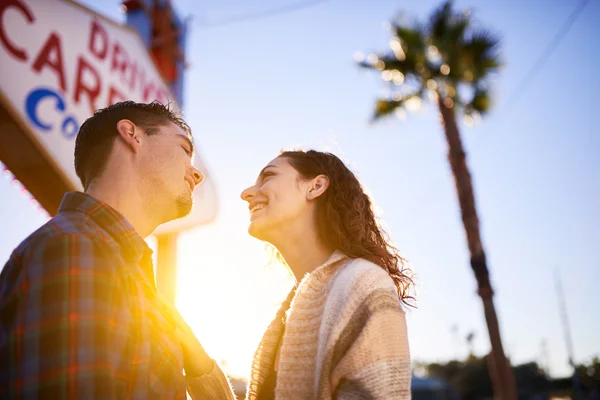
(500, 370)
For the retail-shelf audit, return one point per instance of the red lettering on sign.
(80, 86)
(134, 73)
(146, 88)
(98, 44)
(5, 5)
(120, 62)
(114, 96)
(51, 55)
(147, 92)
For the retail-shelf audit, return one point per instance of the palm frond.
(480, 103)
(458, 28)
(480, 55)
(441, 55)
(484, 43)
(411, 37)
(385, 107)
(447, 27)
(439, 20)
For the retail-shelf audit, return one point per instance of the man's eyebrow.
(189, 141)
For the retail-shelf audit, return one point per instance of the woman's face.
(278, 200)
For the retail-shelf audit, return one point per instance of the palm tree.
(450, 61)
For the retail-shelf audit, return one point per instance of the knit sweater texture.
(344, 336)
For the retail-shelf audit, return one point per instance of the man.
(80, 316)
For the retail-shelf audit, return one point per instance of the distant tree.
(470, 378)
(589, 375)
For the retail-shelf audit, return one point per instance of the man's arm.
(203, 376)
(61, 344)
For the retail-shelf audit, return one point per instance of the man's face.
(167, 173)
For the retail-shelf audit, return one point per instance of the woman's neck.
(303, 252)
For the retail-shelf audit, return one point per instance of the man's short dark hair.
(97, 134)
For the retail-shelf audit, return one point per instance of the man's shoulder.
(68, 236)
(69, 227)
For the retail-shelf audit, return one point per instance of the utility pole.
(544, 362)
(564, 318)
(455, 341)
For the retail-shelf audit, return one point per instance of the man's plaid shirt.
(80, 316)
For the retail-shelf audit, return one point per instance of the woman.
(341, 333)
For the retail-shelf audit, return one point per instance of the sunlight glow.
(468, 120)
(413, 104)
(397, 49)
(433, 55)
(372, 59)
(228, 293)
(386, 76)
(400, 113)
(398, 77)
(445, 69)
(359, 57)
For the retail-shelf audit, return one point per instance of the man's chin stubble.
(184, 205)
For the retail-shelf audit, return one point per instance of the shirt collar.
(335, 257)
(328, 266)
(133, 247)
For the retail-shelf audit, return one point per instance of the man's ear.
(130, 133)
(317, 187)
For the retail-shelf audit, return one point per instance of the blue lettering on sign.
(69, 126)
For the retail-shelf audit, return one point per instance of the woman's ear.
(130, 133)
(317, 187)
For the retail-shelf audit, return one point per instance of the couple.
(80, 316)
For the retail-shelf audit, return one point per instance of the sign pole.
(166, 265)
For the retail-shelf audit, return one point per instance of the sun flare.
(228, 292)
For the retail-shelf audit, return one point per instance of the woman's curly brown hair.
(346, 221)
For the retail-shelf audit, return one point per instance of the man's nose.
(197, 176)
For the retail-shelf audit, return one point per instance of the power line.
(541, 61)
(550, 48)
(263, 14)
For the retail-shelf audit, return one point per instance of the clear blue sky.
(256, 87)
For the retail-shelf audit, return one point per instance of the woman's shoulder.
(360, 278)
(364, 272)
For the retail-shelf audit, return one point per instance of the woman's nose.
(248, 194)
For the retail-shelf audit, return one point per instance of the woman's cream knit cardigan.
(345, 338)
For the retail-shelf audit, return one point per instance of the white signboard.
(60, 61)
